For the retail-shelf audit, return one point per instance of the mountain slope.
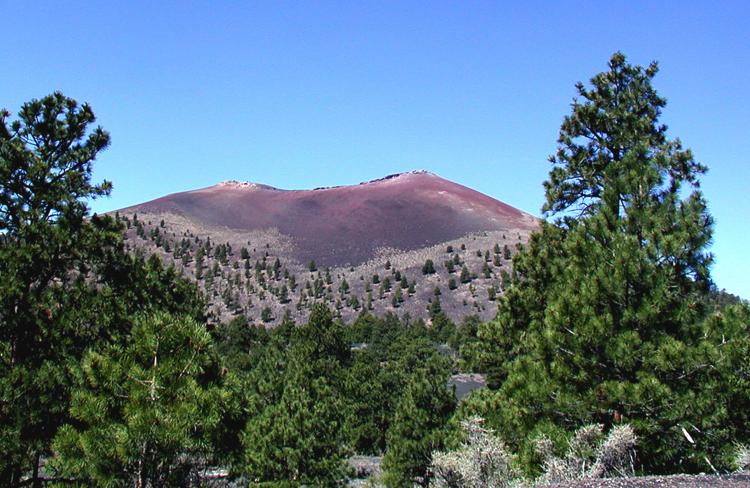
(263, 252)
(346, 225)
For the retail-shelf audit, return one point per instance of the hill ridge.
(352, 232)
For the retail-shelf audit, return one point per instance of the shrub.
(481, 461)
(590, 455)
(742, 458)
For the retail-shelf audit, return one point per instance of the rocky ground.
(675, 481)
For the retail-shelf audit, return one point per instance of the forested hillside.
(252, 273)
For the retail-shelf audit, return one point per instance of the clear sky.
(308, 94)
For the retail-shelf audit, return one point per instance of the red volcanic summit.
(346, 224)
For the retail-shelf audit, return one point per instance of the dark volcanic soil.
(348, 224)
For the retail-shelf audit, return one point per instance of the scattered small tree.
(491, 293)
(266, 315)
(465, 275)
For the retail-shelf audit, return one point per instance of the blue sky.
(308, 94)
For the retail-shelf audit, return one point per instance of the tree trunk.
(35, 481)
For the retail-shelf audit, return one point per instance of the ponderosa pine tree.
(45, 173)
(419, 425)
(143, 412)
(66, 283)
(603, 320)
(296, 410)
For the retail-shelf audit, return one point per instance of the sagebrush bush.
(590, 455)
(481, 461)
(742, 458)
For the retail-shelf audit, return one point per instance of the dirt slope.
(348, 224)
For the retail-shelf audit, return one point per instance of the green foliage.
(397, 298)
(266, 315)
(443, 329)
(395, 350)
(428, 267)
(465, 275)
(371, 410)
(142, 410)
(66, 284)
(344, 287)
(603, 319)
(238, 342)
(45, 174)
(284, 294)
(295, 429)
(435, 306)
(404, 282)
(506, 252)
(419, 425)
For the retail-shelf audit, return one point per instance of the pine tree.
(266, 315)
(142, 410)
(491, 293)
(418, 426)
(386, 284)
(366, 381)
(344, 287)
(602, 321)
(465, 274)
(398, 296)
(297, 412)
(48, 244)
(284, 294)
